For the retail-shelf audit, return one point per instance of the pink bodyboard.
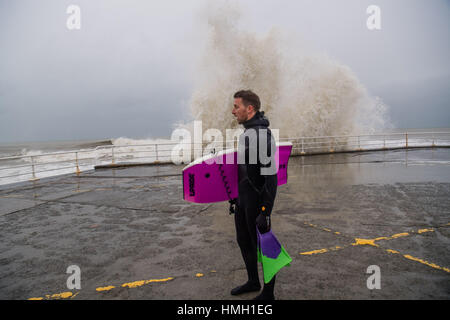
(209, 180)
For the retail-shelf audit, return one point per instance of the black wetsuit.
(255, 191)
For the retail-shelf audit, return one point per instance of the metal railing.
(368, 142)
(34, 167)
(44, 164)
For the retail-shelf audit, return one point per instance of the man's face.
(240, 111)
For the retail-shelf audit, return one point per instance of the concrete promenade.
(134, 237)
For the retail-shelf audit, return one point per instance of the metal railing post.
(112, 155)
(32, 169)
(156, 150)
(76, 162)
(406, 139)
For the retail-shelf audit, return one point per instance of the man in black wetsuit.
(257, 188)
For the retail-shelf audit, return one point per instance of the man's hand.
(232, 203)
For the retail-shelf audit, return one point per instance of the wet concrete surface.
(338, 215)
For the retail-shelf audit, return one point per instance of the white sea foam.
(303, 93)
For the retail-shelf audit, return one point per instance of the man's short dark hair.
(249, 98)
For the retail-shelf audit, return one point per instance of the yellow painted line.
(143, 282)
(398, 235)
(430, 264)
(321, 228)
(321, 250)
(62, 295)
(435, 266)
(425, 230)
(135, 284)
(392, 251)
(362, 242)
(371, 242)
(104, 288)
(314, 252)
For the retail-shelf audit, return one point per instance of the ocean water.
(18, 161)
(36, 148)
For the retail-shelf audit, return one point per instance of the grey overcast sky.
(129, 70)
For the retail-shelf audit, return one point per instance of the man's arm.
(269, 188)
(268, 194)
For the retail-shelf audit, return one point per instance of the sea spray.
(303, 93)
